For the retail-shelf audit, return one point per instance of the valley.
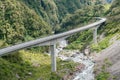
(26, 20)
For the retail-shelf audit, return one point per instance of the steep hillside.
(20, 23)
(23, 20)
(53, 11)
(113, 24)
(111, 29)
(70, 6)
(108, 61)
(82, 17)
(79, 18)
(47, 9)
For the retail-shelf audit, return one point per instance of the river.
(76, 56)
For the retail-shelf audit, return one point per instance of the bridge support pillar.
(95, 35)
(53, 57)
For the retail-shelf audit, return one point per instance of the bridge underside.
(53, 43)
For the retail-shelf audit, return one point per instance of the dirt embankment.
(111, 55)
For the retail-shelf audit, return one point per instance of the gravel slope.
(112, 53)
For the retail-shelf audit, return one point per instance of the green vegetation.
(23, 20)
(26, 65)
(112, 27)
(104, 74)
(53, 11)
(105, 42)
(113, 23)
(47, 9)
(69, 6)
(18, 23)
(101, 45)
(80, 18)
(81, 41)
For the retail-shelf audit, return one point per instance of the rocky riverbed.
(84, 71)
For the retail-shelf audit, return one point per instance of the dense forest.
(24, 20)
(19, 23)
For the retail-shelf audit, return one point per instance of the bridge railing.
(51, 40)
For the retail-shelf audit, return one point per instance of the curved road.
(51, 38)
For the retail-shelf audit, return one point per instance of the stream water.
(76, 56)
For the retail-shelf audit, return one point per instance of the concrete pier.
(95, 35)
(53, 57)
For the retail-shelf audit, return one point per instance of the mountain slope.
(23, 20)
(47, 9)
(113, 24)
(53, 11)
(20, 23)
(109, 59)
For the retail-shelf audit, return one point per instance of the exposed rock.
(74, 55)
(30, 73)
(77, 52)
(83, 71)
(80, 67)
(68, 59)
(17, 76)
(36, 64)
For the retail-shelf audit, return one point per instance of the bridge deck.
(48, 38)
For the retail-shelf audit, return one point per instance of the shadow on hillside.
(32, 5)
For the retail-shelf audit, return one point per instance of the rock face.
(80, 67)
(111, 54)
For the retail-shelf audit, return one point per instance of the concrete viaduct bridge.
(52, 40)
